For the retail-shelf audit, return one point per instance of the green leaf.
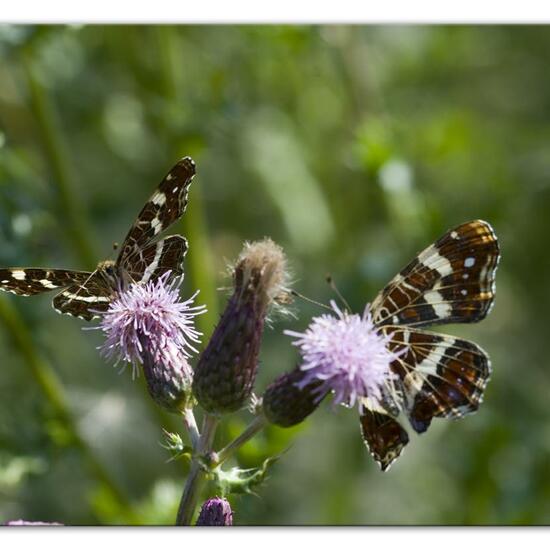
(176, 446)
(240, 481)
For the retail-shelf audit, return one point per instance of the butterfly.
(142, 257)
(434, 375)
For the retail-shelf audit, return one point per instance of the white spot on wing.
(156, 225)
(87, 299)
(429, 364)
(159, 199)
(154, 264)
(432, 259)
(469, 262)
(47, 284)
(18, 274)
(442, 309)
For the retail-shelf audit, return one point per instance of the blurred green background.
(352, 147)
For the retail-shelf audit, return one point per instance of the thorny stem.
(251, 430)
(196, 477)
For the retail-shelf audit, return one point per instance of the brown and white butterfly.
(142, 257)
(452, 281)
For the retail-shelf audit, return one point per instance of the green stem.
(197, 474)
(250, 431)
(47, 381)
(191, 425)
(58, 158)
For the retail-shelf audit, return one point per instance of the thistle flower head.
(148, 324)
(262, 265)
(150, 318)
(226, 371)
(346, 354)
(215, 512)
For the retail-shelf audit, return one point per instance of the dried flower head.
(215, 512)
(225, 374)
(346, 354)
(262, 264)
(148, 324)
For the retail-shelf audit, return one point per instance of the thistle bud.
(168, 383)
(215, 512)
(225, 374)
(287, 402)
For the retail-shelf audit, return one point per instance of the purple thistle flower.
(215, 512)
(148, 324)
(347, 354)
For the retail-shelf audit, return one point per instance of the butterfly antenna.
(298, 295)
(332, 285)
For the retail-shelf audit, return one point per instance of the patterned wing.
(383, 435)
(158, 258)
(453, 280)
(30, 281)
(438, 375)
(85, 299)
(166, 205)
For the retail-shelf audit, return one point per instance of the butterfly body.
(434, 375)
(143, 257)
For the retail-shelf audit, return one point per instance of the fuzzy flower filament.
(346, 354)
(148, 324)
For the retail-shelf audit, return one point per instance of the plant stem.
(191, 425)
(250, 431)
(196, 476)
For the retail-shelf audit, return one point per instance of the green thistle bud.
(226, 371)
(287, 402)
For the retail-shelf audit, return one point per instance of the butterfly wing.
(156, 259)
(166, 205)
(30, 281)
(451, 281)
(437, 375)
(382, 433)
(85, 299)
